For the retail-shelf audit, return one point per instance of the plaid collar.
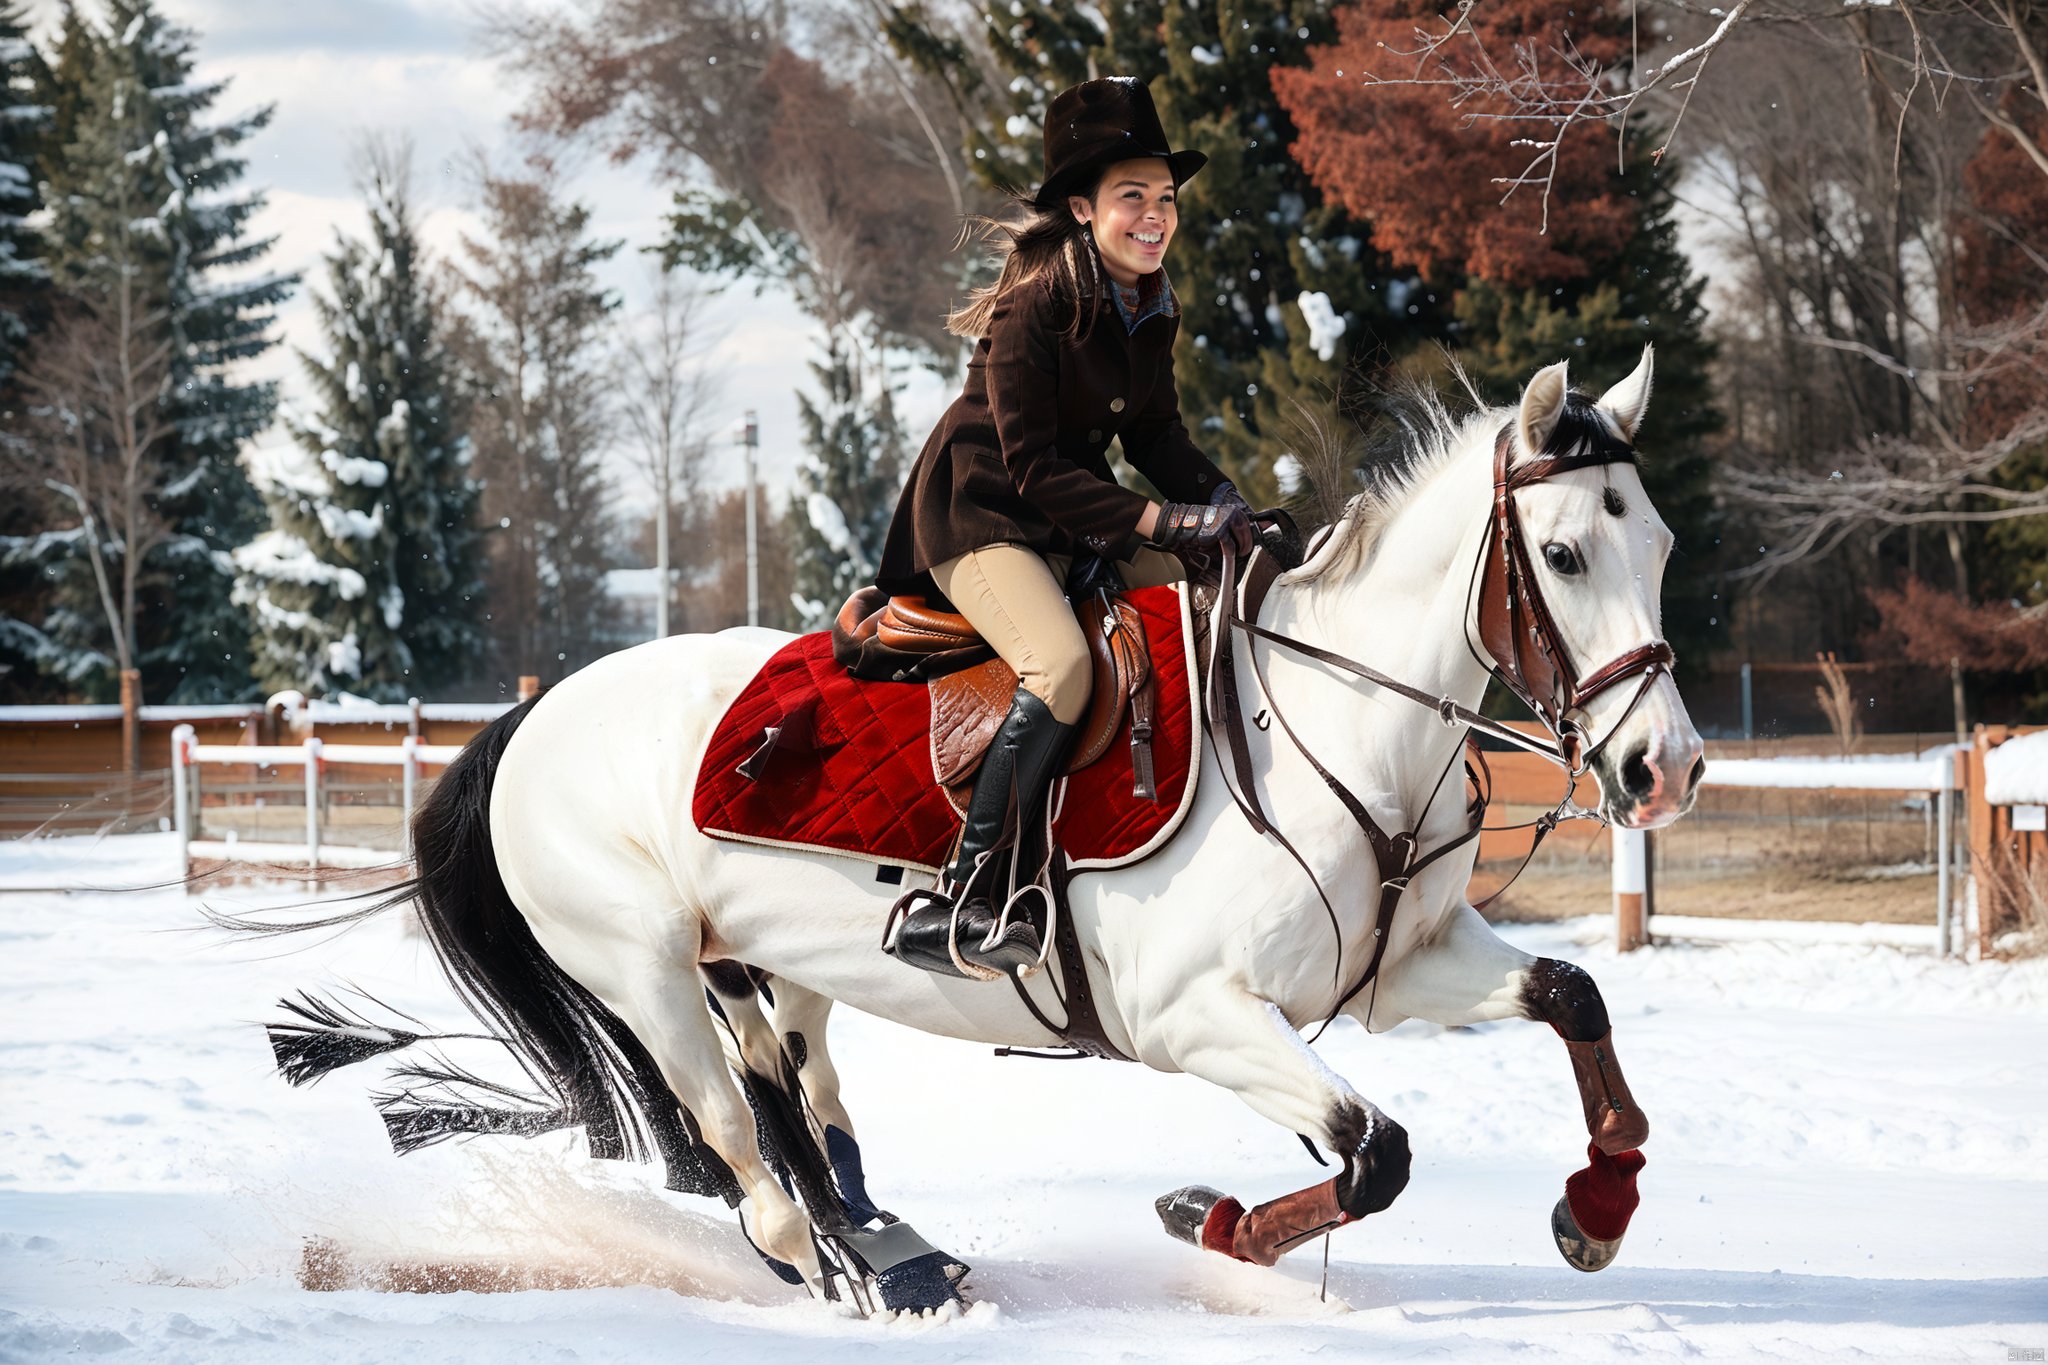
(1153, 296)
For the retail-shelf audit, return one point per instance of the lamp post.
(750, 437)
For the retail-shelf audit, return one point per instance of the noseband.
(1514, 622)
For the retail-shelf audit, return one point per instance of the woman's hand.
(1185, 526)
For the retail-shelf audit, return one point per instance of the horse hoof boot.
(1185, 1212)
(1583, 1252)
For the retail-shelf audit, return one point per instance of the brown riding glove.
(1186, 526)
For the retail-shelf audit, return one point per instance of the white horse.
(1209, 957)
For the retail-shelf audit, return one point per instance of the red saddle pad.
(864, 787)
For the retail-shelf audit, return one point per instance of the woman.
(1075, 348)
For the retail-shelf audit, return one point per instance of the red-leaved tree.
(1928, 626)
(1424, 137)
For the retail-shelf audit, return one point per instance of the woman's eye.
(1560, 558)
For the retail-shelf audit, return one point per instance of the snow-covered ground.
(1847, 1161)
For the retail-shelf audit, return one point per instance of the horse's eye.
(1560, 558)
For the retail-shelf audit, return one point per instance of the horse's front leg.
(1467, 975)
(1246, 1045)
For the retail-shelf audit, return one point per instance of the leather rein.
(1524, 650)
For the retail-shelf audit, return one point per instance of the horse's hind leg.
(795, 1090)
(665, 1007)
(1467, 975)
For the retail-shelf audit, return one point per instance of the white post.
(182, 738)
(412, 778)
(1944, 820)
(313, 802)
(750, 436)
(661, 553)
(1631, 879)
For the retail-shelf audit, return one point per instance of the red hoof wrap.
(1219, 1229)
(1603, 1196)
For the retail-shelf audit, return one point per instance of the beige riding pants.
(1012, 595)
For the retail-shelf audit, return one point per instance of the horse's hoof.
(1185, 1212)
(1583, 1252)
(923, 1284)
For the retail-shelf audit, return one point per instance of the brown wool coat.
(1021, 455)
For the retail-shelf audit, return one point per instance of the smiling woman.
(1012, 495)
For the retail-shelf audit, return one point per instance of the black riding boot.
(1026, 754)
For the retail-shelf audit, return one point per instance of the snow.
(49, 715)
(1203, 55)
(2016, 772)
(1287, 472)
(1846, 1164)
(1325, 324)
(1866, 772)
(345, 657)
(829, 520)
(279, 554)
(638, 585)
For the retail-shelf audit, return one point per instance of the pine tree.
(23, 292)
(366, 581)
(1259, 253)
(143, 150)
(23, 274)
(846, 485)
(532, 347)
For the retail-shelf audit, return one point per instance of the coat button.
(1116, 405)
(1094, 434)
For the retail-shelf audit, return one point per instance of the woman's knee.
(1061, 677)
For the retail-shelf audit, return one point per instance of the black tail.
(593, 1071)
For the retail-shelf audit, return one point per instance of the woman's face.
(1133, 216)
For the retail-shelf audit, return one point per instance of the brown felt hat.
(1100, 122)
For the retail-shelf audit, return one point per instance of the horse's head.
(1596, 550)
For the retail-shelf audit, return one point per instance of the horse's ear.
(1626, 401)
(1542, 405)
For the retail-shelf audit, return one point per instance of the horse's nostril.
(1637, 777)
(1699, 770)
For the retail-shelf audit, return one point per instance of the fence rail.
(188, 757)
(1935, 775)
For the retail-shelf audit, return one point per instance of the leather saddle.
(906, 638)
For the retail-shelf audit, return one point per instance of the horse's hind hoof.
(1583, 1252)
(908, 1273)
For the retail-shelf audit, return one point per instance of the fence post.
(1631, 879)
(313, 802)
(410, 785)
(181, 795)
(1748, 705)
(1944, 824)
(131, 722)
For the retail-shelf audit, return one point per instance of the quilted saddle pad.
(859, 782)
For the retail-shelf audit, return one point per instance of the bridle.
(1514, 623)
(1524, 649)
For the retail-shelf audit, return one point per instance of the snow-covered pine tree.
(846, 483)
(23, 275)
(367, 580)
(144, 148)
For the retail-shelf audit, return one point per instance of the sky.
(336, 69)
